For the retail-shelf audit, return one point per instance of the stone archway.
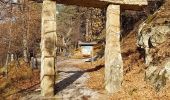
(113, 59)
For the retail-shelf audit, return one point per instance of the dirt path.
(71, 83)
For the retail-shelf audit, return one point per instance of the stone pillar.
(113, 59)
(48, 43)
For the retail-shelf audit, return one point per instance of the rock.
(150, 36)
(157, 39)
(160, 80)
(167, 68)
(143, 37)
(159, 35)
(158, 75)
(149, 72)
(148, 57)
(154, 37)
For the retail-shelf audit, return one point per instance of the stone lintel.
(125, 4)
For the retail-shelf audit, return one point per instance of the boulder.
(156, 76)
(159, 35)
(154, 39)
(167, 68)
(150, 36)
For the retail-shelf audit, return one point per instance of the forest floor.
(134, 86)
(23, 83)
(20, 81)
(79, 80)
(71, 83)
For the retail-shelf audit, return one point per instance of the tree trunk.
(48, 43)
(25, 28)
(113, 59)
(17, 59)
(25, 44)
(9, 45)
(12, 57)
(87, 30)
(6, 64)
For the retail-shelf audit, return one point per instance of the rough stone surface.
(130, 2)
(104, 3)
(167, 68)
(158, 75)
(113, 58)
(154, 38)
(48, 37)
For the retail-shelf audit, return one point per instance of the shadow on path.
(69, 80)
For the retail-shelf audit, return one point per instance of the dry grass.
(19, 78)
(78, 55)
(96, 72)
(134, 86)
(161, 52)
(96, 80)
